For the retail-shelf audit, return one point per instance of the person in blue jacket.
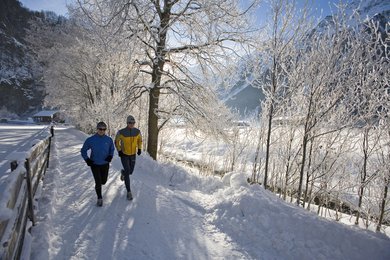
(102, 151)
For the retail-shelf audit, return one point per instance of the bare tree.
(325, 59)
(86, 74)
(181, 40)
(288, 27)
(369, 92)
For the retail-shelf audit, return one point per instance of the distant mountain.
(370, 8)
(246, 94)
(21, 87)
(377, 10)
(246, 97)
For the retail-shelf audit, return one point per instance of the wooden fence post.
(29, 192)
(14, 165)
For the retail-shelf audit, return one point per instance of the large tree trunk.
(154, 94)
(153, 130)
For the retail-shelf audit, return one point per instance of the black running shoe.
(129, 196)
(122, 175)
(99, 202)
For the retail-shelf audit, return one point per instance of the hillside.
(21, 87)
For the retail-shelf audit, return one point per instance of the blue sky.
(59, 6)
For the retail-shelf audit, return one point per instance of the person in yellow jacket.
(128, 142)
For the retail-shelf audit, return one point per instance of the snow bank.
(176, 214)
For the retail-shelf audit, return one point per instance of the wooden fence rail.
(24, 180)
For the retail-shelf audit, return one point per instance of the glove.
(108, 158)
(89, 162)
(120, 153)
(139, 152)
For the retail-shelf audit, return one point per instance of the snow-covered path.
(157, 224)
(177, 215)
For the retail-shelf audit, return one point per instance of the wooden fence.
(25, 177)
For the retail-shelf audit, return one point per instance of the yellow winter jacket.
(128, 140)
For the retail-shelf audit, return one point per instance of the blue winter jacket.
(100, 146)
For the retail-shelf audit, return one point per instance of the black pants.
(100, 174)
(128, 163)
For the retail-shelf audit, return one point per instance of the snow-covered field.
(178, 215)
(16, 137)
(204, 154)
(15, 141)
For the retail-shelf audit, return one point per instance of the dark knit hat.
(101, 125)
(130, 119)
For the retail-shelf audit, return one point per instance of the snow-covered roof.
(46, 113)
